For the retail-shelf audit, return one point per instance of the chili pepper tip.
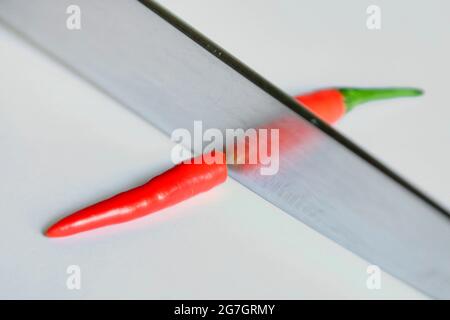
(54, 232)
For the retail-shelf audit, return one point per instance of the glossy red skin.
(328, 104)
(171, 187)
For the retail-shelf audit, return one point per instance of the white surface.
(65, 145)
(304, 45)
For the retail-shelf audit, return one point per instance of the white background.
(65, 145)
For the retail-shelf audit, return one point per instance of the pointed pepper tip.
(54, 232)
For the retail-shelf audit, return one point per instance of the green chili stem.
(357, 96)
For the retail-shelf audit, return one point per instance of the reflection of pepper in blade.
(331, 104)
(260, 151)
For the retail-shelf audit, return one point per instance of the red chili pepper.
(179, 183)
(331, 104)
(185, 180)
